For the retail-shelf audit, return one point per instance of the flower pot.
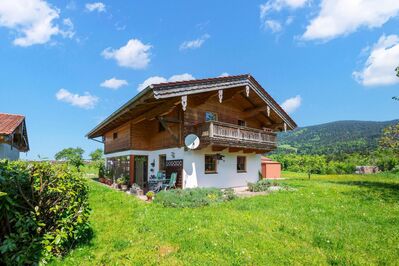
(124, 187)
(149, 198)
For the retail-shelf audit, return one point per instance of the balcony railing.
(231, 134)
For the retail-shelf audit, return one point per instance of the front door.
(141, 171)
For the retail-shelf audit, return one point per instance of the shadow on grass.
(374, 190)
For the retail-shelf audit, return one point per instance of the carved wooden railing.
(226, 131)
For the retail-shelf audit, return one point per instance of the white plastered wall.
(194, 166)
(7, 152)
(227, 175)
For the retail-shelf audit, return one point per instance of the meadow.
(327, 220)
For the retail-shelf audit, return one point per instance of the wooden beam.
(171, 120)
(156, 111)
(249, 151)
(196, 101)
(234, 149)
(218, 148)
(254, 111)
(165, 125)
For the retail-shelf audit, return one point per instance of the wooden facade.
(230, 113)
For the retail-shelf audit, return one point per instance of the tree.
(96, 155)
(390, 139)
(74, 156)
(397, 74)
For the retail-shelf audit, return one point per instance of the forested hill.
(334, 138)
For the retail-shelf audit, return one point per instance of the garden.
(330, 219)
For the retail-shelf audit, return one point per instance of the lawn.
(346, 219)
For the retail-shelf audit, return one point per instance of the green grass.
(346, 219)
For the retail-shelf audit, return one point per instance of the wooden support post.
(131, 169)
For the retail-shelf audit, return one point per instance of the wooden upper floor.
(231, 112)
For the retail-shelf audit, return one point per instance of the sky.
(67, 65)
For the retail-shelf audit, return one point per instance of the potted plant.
(150, 194)
(125, 182)
(136, 190)
(120, 181)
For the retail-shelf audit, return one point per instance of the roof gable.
(9, 123)
(163, 91)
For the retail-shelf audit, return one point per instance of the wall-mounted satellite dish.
(192, 141)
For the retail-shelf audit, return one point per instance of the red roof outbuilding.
(9, 123)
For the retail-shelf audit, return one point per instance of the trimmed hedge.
(43, 213)
(194, 197)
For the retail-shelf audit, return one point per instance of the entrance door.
(141, 171)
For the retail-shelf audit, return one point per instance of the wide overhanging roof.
(154, 94)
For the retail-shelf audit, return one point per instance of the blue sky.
(67, 65)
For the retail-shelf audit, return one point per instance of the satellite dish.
(192, 141)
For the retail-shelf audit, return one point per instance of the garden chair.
(158, 187)
(172, 182)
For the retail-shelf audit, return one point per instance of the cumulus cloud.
(194, 44)
(114, 83)
(97, 6)
(134, 54)
(379, 68)
(86, 101)
(32, 20)
(224, 74)
(341, 17)
(273, 25)
(275, 6)
(292, 104)
(159, 79)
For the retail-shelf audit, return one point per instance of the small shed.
(270, 168)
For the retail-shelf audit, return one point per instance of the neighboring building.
(13, 136)
(234, 118)
(366, 169)
(270, 169)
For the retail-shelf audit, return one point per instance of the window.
(210, 164)
(162, 163)
(241, 164)
(115, 135)
(209, 116)
(242, 123)
(160, 127)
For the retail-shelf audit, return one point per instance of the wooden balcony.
(225, 135)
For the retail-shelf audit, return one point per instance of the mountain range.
(340, 137)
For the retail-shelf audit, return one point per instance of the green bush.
(194, 197)
(43, 213)
(261, 185)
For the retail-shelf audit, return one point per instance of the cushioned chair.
(171, 183)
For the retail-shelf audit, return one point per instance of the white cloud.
(275, 6)
(181, 77)
(114, 83)
(32, 20)
(341, 17)
(379, 68)
(292, 104)
(194, 44)
(97, 6)
(86, 101)
(134, 54)
(273, 25)
(159, 79)
(224, 74)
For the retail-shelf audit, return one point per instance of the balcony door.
(141, 171)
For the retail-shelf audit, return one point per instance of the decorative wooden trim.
(184, 102)
(220, 95)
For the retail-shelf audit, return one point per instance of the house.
(13, 136)
(234, 119)
(270, 168)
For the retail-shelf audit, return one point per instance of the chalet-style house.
(13, 136)
(234, 119)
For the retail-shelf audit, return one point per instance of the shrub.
(194, 197)
(261, 185)
(43, 211)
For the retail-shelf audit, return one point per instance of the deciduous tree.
(74, 156)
